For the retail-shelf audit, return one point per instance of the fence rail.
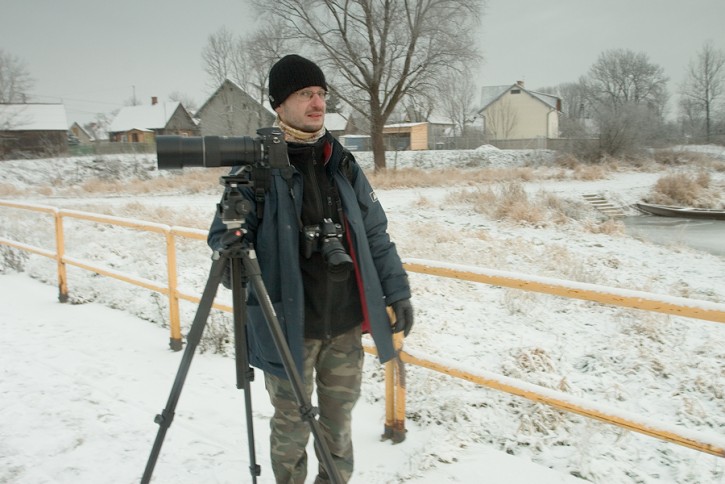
(395, 370)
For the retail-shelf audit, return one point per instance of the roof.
(33, 117)
(403, 125)
(489, 94)
(154, 116)
(335, 122)
(82, 129)
(234, 85)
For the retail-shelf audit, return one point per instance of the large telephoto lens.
(207, 151)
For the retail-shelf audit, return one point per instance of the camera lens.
(335, 256)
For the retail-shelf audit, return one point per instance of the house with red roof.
(141, 124)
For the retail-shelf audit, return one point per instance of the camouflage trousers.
(337, 367)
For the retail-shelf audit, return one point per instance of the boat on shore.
(681, 212)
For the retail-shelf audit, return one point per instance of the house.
(37, 129)
(356, 142)
(513, 112)
(231, 111)
(428, 135)
(80, 134)
(339, 124)
(141, 124)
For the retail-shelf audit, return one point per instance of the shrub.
(677, 189)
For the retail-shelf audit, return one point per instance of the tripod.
(244, 267)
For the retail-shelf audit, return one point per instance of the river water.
(705, 235)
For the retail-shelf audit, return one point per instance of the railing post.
(174, 323)
(400, 392)
(59, 255)
(395, 391)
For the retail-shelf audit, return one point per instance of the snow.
(82, 382)
(81, 385)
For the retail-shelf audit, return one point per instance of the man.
(330, 269)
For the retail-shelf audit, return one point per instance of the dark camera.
(213, 151)
(325, 238)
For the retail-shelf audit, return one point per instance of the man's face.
(304, 109)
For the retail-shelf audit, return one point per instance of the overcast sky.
(93, 56)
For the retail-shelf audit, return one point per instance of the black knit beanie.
(292, 73)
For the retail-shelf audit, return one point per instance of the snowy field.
(79, 381)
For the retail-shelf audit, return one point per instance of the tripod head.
(234, 207)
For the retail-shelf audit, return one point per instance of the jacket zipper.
(327, 316)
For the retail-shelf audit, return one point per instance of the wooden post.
(59, 255)
(395, 391)
(175, 342)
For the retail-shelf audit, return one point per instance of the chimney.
(520, 83)
(154, 100)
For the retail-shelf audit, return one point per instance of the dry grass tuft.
(589, 172)
(514, 204)
(682, 189)
(510, 201)
(8, 190)
(608, 227)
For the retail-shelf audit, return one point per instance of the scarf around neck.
(293, 135)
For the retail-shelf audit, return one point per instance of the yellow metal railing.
(395, 370)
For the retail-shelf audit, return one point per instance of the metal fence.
(395, 380)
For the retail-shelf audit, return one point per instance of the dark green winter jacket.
(276, 238)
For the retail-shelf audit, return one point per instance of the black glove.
(403, 316)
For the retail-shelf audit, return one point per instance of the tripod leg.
(307, 412)
(197, 329)
(245, 374)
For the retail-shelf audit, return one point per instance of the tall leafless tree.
(573, 122)
(621, 77)
(627, 95)
(262, 49)
(15, 79)
(187, 101)
(703, 86)
(221, 60)
(378, 51)
(244, 60)
(457, 96)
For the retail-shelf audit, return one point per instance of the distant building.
(356, 142)
(428, 135)
(33, 129)
(231, 111)
(80, 134)
(141, 124)
(339, 124)
(513, 112)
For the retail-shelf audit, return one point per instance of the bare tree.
(245, 60)
(621, 77)
(703, 86)
(457, 94)
(15, 79)
(573, 123)
(627, 95)
(220, 60)
(186, 101)
(377, 52)
(262, 49)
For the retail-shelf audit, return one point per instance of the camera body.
(326, 238)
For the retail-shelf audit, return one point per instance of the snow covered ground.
(81, 383)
